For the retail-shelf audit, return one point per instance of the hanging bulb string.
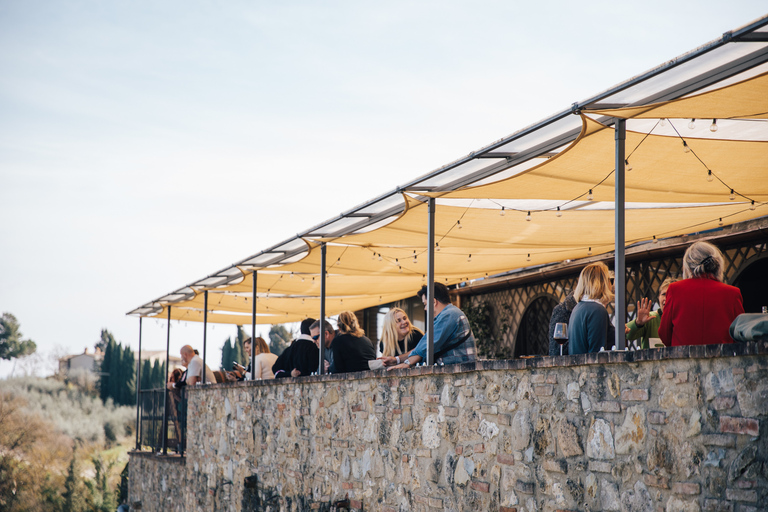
(707, 167)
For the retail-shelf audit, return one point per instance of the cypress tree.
(129, 377)
(146, 375)
(226, 355)
(104, 369)
(113, 380)
(239, 355)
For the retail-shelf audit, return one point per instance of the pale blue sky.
(144, 145)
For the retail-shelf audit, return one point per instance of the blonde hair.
(347, 324)
(703, 259)
(261, 345)
(665, 283)
(389, 335)
(595, 283)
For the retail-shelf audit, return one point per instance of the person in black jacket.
(301, 358)
(560, 315)
(351, 350)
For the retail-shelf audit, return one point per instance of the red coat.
(699, 311)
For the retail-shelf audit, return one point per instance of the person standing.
(700, 308)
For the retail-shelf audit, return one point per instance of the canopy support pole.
(165, 395)
(321, 369)
(430, 311)
(253, 324)
(138, 393)
(205, 330)
(619, 267)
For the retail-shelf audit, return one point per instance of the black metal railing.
(153, 430)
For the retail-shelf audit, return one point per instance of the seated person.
(646, 325)
(700, 308)
(399, 335)
(330, 334)
(351, 349)
(590, 328)
(262, 363)
(301, 356)
(454, 342)
(560, 315)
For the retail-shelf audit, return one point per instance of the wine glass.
(561, 335)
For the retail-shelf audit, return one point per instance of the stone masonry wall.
(156, 483)
(676, 429)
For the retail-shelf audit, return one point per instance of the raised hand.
(643, 312)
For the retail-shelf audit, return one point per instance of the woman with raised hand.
(646, 324)
(700, 308)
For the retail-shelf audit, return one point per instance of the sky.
(145, 145)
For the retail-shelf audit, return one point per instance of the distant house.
(78, 363)
(89, 361)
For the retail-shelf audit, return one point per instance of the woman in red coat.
(700, 308)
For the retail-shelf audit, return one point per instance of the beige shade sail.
(743, 100)
(662, 171)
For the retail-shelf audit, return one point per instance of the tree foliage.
(117, 374)
(11, 343)
(279, 338)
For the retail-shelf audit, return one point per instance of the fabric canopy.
(540, 196)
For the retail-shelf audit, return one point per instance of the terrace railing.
(153, 430)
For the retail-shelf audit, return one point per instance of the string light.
(559, 213)
(437, 246)
(338, 261)
(423, 278)
(589, 252)
(379, 256)
(469, 259)
(654, 239)
(528, 217)
(458, 223)
(501, 213)
(752, 207)
(528, 258)
(662, 122)
(732, 196)
(627, 165)
(415, 259)
(302, 301)
(302, 279)
(709, 175)
(713, 126)
(692, 124)
(341, 302)
(686, 149)
(291, 275)
(373, 256)
(590, 196)
(720, 223)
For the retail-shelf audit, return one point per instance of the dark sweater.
(415, 338)
(589, 329)
(351, 354)
(302, 355)
(560, 315)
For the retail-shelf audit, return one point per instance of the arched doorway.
(533, 334)
(753, 283)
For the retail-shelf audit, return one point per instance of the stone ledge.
(617, 357)
(170, 458)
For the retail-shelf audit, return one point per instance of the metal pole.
(253, 324)
(138, 392)
(321, 369)
(430, 312)
(165, 395)
(619, 269)
(205, 329)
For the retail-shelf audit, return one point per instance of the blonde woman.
(351, 350)
(399, 336)
(589, 328)
(700, 308)
(262, 363)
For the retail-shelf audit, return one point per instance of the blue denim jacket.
(450, 326)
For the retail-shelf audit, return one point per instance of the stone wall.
(677, 429)
(156, 483)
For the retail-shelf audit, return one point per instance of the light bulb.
(302, 301)
(302, 279)
(662, 122)
(589, 196)
(627, 165)
(291, 275)
(528, 217)
(713, 126)
(752, 207)
(338, 261)
(732, 196)
(692, 124)
(709, 175)
(458, 223)
(559, 213)
(528, 258)
(654, 239)
(423, 278)
(379, 256)
(437, 246)
(502, 211)
(686, 148)
(469, 258)
(373, 256)
(341, 301)
(589, 252)
(415, 260)
(720, 222)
